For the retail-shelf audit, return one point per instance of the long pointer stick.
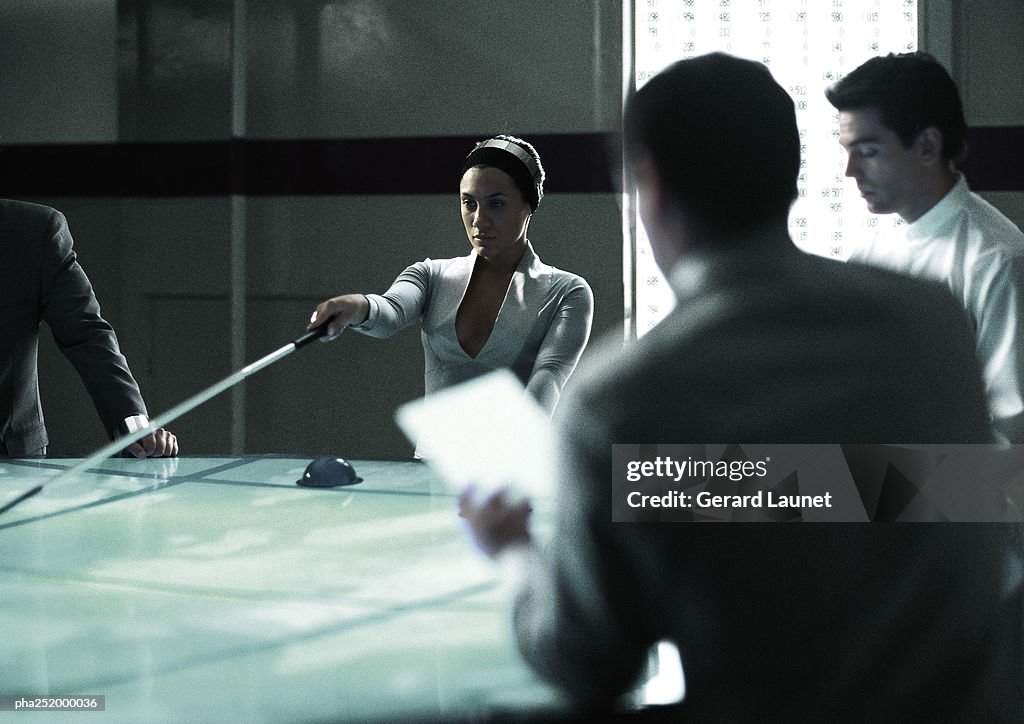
(175, 412)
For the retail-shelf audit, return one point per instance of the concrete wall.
(989, 66)
(172, 271)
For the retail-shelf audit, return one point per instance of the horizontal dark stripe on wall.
(995, 158)
(575, 163)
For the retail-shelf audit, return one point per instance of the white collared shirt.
(978, 253)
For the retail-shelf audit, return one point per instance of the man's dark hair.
(911, 91)
(722, 135)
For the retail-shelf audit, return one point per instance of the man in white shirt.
(902, 123)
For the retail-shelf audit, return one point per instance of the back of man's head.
(722, 136)
(911, 91)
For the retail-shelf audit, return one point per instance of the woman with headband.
(500, 305)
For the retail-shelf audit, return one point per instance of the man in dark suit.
(777, 622)
(41, 279)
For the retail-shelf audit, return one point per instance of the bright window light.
(808, 45)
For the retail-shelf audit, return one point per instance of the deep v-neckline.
(479, 311)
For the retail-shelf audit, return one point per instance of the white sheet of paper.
(487, 432)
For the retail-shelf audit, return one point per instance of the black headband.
(515, 161)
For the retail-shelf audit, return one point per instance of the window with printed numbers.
(807, 45)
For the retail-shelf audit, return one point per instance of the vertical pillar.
(237, 292)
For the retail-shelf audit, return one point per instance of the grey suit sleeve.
(72, 312)
(579, 611)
